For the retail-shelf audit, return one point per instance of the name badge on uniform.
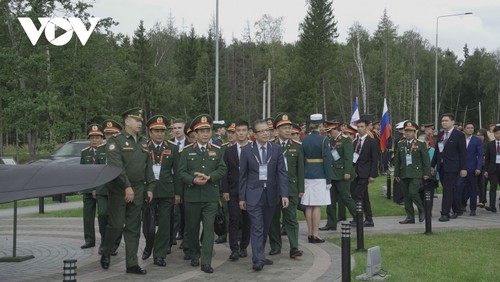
(440, 146)
(156, 171)
(263, 172)
(355, 157)
(335, 155)
(498, 159)
(409, 161)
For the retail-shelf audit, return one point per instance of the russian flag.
(385, 129)
(355, 113)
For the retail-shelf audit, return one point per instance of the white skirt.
(315, 193)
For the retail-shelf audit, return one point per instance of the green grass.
(78, 212)
(447, 256)
(34, 202)
(10, 151)
(381, 206)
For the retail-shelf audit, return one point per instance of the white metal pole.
(269, 93)
(416, 102)
(217, 60)
(263, 99)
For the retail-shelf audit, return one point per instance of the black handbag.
(148, 218)
(220, 221)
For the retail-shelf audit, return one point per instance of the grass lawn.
(78, 212)
(381, 206)
(444, 256)
(34, 202)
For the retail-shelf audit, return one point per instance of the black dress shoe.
(453, 215)
(295, 253)
(368, 223)
(235, 255)
(327, 228)
(444, 218)
(114, 253)
(207, 268)
(220, 240)
(491, 209)
(104, 262)
(316, 240)
(421, 217)
(187, 257)
(268, 262)
(473, 213)
(274, 252)
(257, 266)
(136, 270)
(243, 253)
(195, 262)
(169, 250)
(309, 239)
(87, 245)
(160, 262)
(407, 221)
(146, 254)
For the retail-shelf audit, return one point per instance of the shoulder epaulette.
(422, 141)
(345, 136)
(298, 142)
(103, 144)
(402, 140)
(225, 144)
(187, 146)
(86, 148)
(171, 142)
(218, 147)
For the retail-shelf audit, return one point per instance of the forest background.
(49, 94)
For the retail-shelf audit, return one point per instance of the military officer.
(411, 165)
(219, 131)
(342, 151)
(111, 128)
(129, 151)
(91, 155)
(294, 161)
(201, 168)
(165, 157)
(295, 134)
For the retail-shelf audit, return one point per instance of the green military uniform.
(112, 127)
(342, 152)
(411, 174)
(294, 159)
(201, 202)
(91, 155)
(131, 154)
(223, 238)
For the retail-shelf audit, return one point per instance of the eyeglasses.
(263, 131)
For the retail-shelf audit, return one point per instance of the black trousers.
(236, 215)
(359, 192)
(449, 182)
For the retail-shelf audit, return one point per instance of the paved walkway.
(52, 240)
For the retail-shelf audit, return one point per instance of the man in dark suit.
(492, 167)
(449, 156)
(263, 180)
(365, 159)
(230, 192)
(474, 162)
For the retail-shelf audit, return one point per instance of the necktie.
(158, 149)
(498, 148)
(202, 150)
(283, 144)
(178, 143)
(445, 137)
(264, 155)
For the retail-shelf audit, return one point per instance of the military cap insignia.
(203, 119)
(109, 124)
(270, 123)
(409, 124)
(159, 119)
(285, 117)
(94, 128)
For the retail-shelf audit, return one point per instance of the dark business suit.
(261, 196)
(366, 166)
(493, 170)
(230, 184)
(468, 184)
(449, 162)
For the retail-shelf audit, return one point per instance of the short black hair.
(467, 123)
(450, 115)
(242, 123)
(497, 128)
(259, 121)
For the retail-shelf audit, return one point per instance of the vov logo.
(49, 26)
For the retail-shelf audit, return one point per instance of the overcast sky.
(482, 29)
